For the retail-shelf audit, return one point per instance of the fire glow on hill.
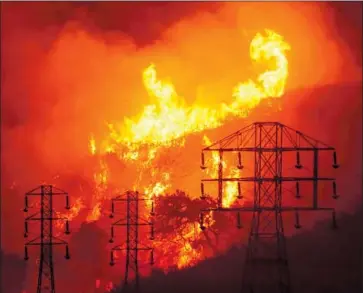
(164, 124)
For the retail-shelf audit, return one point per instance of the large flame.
(169, 118)
(167, 121)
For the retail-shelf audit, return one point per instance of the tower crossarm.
(139, 248)
(125, 198)
(132, 223)
(272, 209)
(267, 141)
(46, 240)
(266, 149)
(38, 190)
(266, 179)
(34, 218)
(54, 241)
(243, 139)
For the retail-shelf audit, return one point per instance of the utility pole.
(46, 240)
(268, 141)
(132, 245)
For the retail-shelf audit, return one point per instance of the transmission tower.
(132, 245)
(268, 141)
(46, 240)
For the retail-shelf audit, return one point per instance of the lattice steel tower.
(46, 240)
(268, 141)
(132, 245)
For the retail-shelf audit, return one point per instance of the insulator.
(112, 209)
(67, 256)
(298, 165)
(26, 257)
(152, 213)
(239, 225)
(25, 229)
(202, 166)
(335, 163)
(297, 220)
(202, 191)
(67, 231)
(335, 226)
(152, 257)
(335, 195)
(240, 166)
(201, 222)
(112, 235)
(239, 196)
(298, 190)
(152, 231)
(67, 203)
(112, 261)
(26, 204)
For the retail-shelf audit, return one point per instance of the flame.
(71, 214)
(270, 84)
(100, 178)
(213, 163)
(181, 249)
(189, 256)
(92, 145)
(166, 122)
(158, 188)
(187, 252)
(169, 119)
(230, 190)
(95, 213)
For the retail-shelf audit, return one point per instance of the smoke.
(68, 69)
(72, 69)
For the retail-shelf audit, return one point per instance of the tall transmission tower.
(132, 221)
(268, 141)
(46, 240)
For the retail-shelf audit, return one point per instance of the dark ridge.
(321, 261)
(13, 272)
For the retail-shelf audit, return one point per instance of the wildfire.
(188, 255)
(92, 145)
(168, 120)
(270, 84)
(180, 250)
(101, 180)
(230, 188)
(71, 214)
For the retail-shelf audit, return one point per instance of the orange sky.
(69, 82)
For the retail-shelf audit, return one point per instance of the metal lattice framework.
(132, 222)
(46, 240)
(268, 141)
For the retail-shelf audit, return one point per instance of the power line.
(46, 240)
(267, 141)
